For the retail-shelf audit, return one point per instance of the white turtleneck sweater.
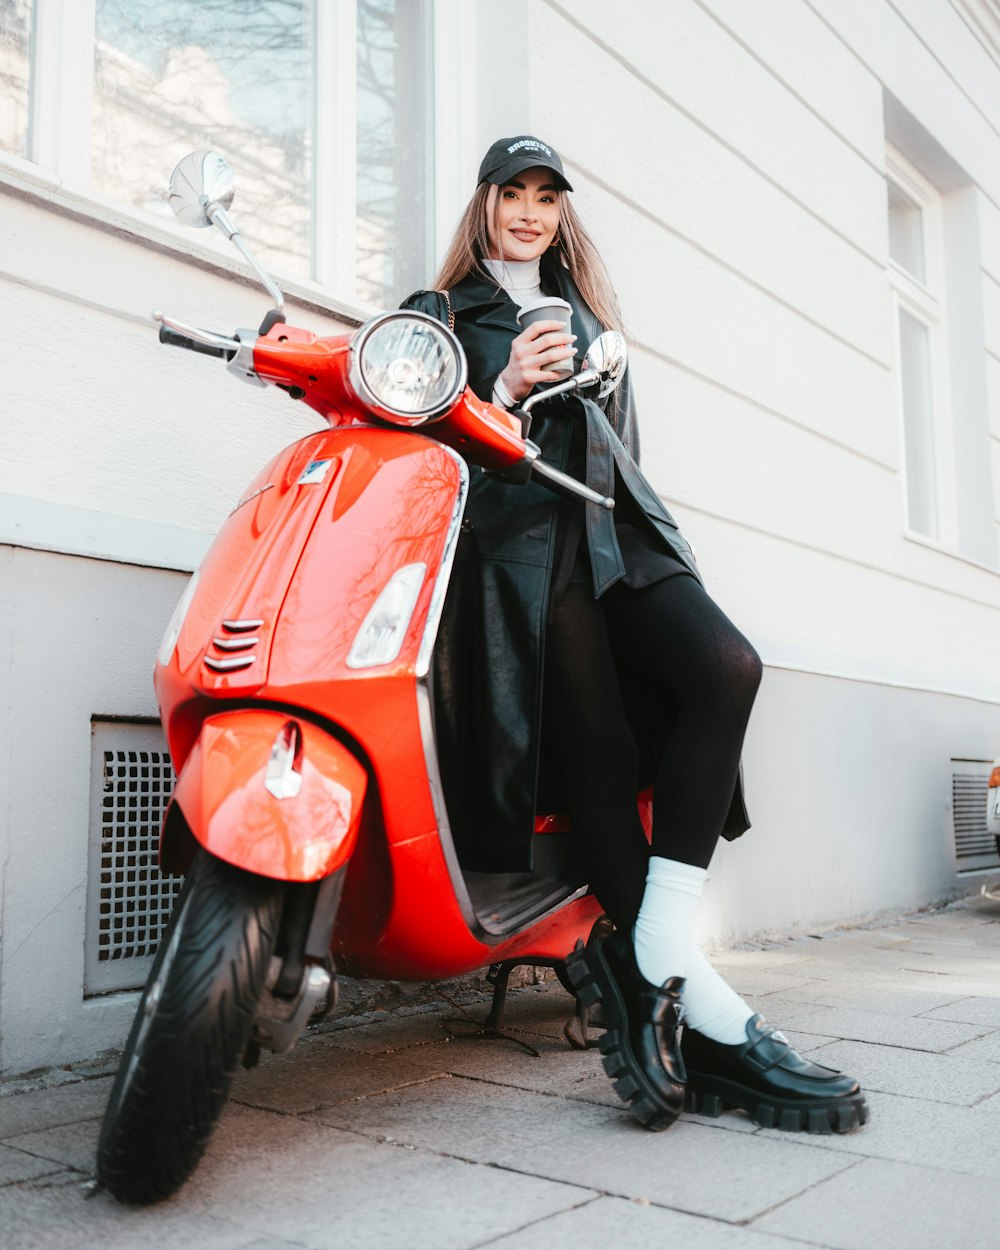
(522, 281)
(519, 278)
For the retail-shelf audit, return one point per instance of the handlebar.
(172, 339)
(177, 333)
(555, 479)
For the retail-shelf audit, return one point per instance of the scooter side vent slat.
(231, 664)
(246, 636)
(128, 900)
(236, 644)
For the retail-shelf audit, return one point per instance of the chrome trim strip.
(235, 644)
(242, 626)
(425, 712)
(253, 495)
(425, 716)
(231, 664)
(443, 578)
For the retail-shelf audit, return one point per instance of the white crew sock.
(664, 947)
(710, 1005)
(664, 928)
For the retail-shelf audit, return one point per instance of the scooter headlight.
(407, 367)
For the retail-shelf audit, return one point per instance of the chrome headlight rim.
(364, 392)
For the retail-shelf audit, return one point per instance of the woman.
(644, 678)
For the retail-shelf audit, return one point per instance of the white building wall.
(729, 160)
(121, 458)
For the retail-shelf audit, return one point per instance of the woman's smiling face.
(522, 216)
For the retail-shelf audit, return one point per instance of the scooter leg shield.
(269, 793)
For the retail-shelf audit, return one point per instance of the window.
(917, 280)
(323, 109)
(15, 61)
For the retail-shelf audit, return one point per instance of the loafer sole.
(595, 985)
(711, 1095)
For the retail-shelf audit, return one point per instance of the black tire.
(190, 1032)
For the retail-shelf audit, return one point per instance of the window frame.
(57, 165)
(926, 302)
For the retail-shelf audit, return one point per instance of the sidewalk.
(382, 1132)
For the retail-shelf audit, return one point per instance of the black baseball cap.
(508, 157)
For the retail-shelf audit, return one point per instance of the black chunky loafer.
(770, 1080)
(640, 1048)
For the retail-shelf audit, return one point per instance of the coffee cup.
(549, 308)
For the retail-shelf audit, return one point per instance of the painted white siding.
(729, 159)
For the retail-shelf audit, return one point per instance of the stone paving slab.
(390, 1032)
(54, 1216)
(21, 1113)
(762, 981)
(914, 1033)
(293, 1177)
(901, 994)
(914, 1074)
(436, 1114)
(556, 1070)
(941, 963)
(947, 1137)
(893, 1205)
(985, 1048)
(69, 1145)
(17, 1165)
(969, 1011)
(612, 1223)
(703, 1170)
(320, 1072)
(806, 1042)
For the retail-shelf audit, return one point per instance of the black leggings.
(683, 649)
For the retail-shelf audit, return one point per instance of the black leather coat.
(490, 650)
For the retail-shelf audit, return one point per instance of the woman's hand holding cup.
(543, 351)
(534, 353)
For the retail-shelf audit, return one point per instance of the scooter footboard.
(269, 793)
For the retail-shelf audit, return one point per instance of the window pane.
(15, 70)
(233, 75)
(906, 233)
(394, 163)
(918, 424)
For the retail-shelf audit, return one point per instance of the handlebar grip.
(172, 339)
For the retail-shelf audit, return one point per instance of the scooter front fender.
(267, 792)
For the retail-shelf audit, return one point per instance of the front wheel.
(190, 1031)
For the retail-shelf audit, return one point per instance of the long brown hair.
(574, 249)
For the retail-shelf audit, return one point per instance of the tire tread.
(161, 1115)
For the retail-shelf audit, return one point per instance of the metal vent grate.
(129, 901)
(974, 846)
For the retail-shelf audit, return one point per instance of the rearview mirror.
(201, 184)
(607, 356)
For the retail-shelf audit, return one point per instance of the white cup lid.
(546, 301)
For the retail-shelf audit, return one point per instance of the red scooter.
(294, 687)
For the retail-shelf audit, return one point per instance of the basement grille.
(129, 901)
(974, 846)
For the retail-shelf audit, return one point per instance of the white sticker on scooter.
(314, 472)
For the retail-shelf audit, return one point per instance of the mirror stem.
(587, 378)
(221, 218)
